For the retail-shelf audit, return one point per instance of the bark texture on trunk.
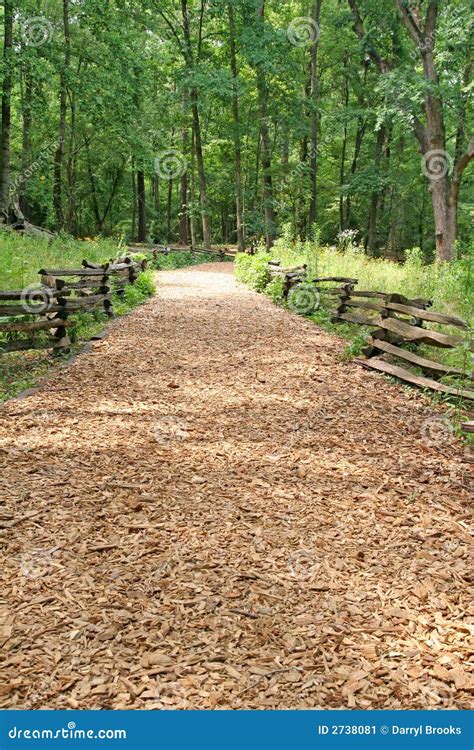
(6, 109)
(236, 133)
(375, 196)
(443, 172)
(141, 194)
(316, 15)
(183, 194)
(206, 226)
(262, 89)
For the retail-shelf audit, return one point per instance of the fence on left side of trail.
(49, 308)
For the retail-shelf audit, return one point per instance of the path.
(211, 510)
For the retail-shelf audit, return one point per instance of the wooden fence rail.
(398, 321)
(57, 298)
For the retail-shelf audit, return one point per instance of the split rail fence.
(398, 322)
(64, 292)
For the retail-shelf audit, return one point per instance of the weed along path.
(210, 509)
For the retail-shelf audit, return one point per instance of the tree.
(6, 108)
(265, 136)
(63, 93)
(431, 134)
(316, 16)
(236, 131)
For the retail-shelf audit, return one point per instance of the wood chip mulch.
(212, 510)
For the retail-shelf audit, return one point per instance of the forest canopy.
(228, 121)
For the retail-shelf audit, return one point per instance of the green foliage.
(128, 101)
(274, 289)
(253, 270)
(21, 257)
(449, 285)
(181, 260)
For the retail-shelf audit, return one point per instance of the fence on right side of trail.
(399, 322)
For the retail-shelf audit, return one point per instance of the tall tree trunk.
(236, 132)
(360, 132)
(6, 108)
(316, 15)
(141, 194)
(355, 158)
(193, 193)
(26, 109)
(93, 193)
(206, 227)
(444, 189)
(71, 171)
(134, 203)
(375, 196)
(300, 212)
(156, 196)
(262, 90)
(183, 194)
(59, 155)
(342, 168)
(169, 204)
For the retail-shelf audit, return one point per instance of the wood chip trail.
(212, 510)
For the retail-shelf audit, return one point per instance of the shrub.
(253, 270)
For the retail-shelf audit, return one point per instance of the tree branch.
(464, 160)
(431, 16)
(421, 134)
(173, 30)
(358, 27)
(409, 21)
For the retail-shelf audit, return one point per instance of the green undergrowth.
(181, 260)
(449, 286)
(21, 256)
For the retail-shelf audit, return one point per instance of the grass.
(449, 286)
(20, 259)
